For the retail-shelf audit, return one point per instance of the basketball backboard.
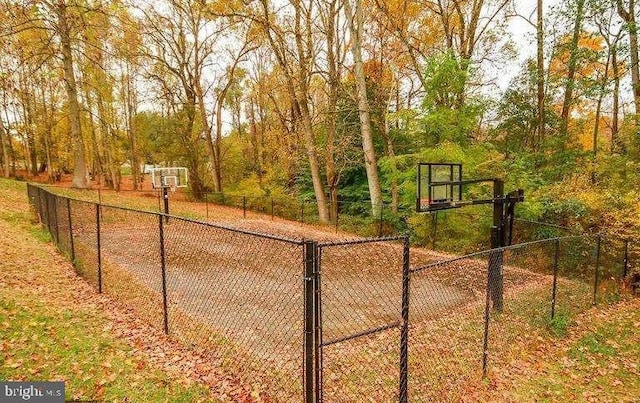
(432, 186)
(174, 177)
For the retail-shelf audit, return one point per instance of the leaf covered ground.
(54, 326)
(598, 360)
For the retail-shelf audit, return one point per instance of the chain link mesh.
(361, 306)
(389, 326)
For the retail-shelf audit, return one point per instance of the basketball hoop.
(174, 177)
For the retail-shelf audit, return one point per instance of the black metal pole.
(71, 244)
(309, 263)
(404, 330)
(165, 197)
(435, 230)
(47, 215)
(272, 210)
(556, 254)
(418, 190)
(495, 270)
(497, 241)
(163, 268)
(597, 269)
(99, 248)
(244, 206)
(318, 325)
(380, 220)
(55, 214)
(625, 266)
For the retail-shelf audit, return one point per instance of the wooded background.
(336, 100)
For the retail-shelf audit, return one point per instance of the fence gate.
(362, 320)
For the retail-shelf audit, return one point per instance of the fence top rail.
(547, 224)
(502, 249)
(203, 223)
(362, 241)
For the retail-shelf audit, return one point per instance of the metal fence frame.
(56, 214)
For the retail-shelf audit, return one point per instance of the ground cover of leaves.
(592, 358)
(54, 326)
(598, 360)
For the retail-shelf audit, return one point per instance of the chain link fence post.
(206, 203)
(487, 314)
(404, 330)
(71, 245)
(163, 268)
(597, 270)
(99, 248)
(434, 232)
(310, 254)
(57, 228)
(318, 324)
(556, 254)
(244, 206)
(625, 266)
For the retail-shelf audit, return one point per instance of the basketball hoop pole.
(501, 230)
(496, 256)
(165, 198)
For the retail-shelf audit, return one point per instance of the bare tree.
(355, 20)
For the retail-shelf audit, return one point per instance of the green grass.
(558, 326)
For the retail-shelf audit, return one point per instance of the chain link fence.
(339, 321)
(235, 294)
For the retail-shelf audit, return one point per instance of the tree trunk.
(354, 19)
(96, 164)
(218, 143)
(571, 72)
(4, 135)
(296, 75)
(333, 84)
(79, 166)
(616, 101)
(540, 76)
(596, 126)
(304, 48)
(132, 110)
(629, 17)
(211, 148)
